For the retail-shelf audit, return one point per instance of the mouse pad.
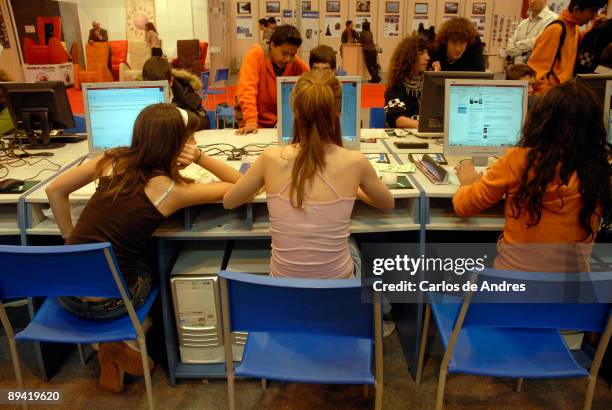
(402, 183)
(21, 189)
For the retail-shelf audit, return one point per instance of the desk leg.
(167, 251)
(408, 319)
(409, 316)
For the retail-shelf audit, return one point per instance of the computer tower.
(197, 308)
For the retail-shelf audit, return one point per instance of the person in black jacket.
(184, 85)
(458, 47)
(405, 84)
(369, 51)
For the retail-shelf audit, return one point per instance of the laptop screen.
(349, 116)
(111, 110)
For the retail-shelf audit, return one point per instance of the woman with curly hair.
(458, 47)
(405, 84)
(556, 184)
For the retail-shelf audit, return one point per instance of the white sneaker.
(388, 327)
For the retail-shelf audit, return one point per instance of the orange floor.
(372, 95)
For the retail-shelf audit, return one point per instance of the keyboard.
(428, 134)
(63, 139)
(452, 175)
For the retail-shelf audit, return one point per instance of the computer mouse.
(9, 184)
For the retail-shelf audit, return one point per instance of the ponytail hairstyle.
(316, 110)
(160, 133)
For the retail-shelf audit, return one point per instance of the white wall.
(110, 14)
(175, 20)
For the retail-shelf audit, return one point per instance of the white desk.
(438, 213)
(211, 221)
(37, 168)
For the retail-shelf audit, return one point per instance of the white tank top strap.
(164, 195)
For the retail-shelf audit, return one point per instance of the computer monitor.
(111, 110)
(607, 108)
(38, 106)
(596, 82)
(350, 123)
(431, 112)
(483, 117)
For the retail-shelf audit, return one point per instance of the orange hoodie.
(561, 206)
(545, 50)
(256, 91)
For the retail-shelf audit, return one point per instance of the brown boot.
(125, 358)
(111, 377)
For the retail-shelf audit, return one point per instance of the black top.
(183, 96)
(471, 60)
(345, 36)
(102, 38)
(127, 222)
(367, 40)
(400, 101)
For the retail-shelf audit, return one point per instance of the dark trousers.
(156, 52)
(110, 308)
(371, 64)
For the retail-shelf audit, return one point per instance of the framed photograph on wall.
(306, 6)
(333, 7)
(244, 7)
(273, 7)
(421, 8)
(362, 6)
(479, 8)
(392, 7)
(451, 7)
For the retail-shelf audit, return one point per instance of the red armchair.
(53, 53)
(119, 54)
(49, 50)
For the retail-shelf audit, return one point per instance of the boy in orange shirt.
(553, 64)
(256, 91)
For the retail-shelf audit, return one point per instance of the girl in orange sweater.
(556, 182)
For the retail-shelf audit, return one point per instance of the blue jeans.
(109, 308)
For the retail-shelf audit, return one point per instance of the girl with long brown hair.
(311, 186)
(138, 187)
(556, 184)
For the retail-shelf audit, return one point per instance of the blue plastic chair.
(302, 330)
(516, 340)
(222, 74)
(211, 119)
(377, 118)
(71, 270)
(204, 78)
(79, 127)
(226, 114)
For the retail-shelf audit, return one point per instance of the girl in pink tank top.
(312, 185)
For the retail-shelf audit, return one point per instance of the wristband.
(199, 156)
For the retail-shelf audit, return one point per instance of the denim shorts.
(109, 308)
